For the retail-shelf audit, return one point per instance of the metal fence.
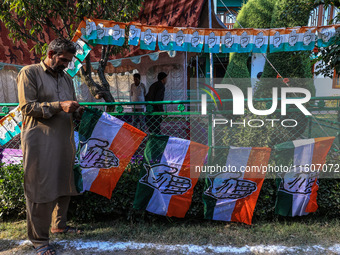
(219, 128)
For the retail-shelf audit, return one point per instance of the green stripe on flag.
(153, 152)
(284, 203)
(88, 122)
(209, 203)
(284, 154)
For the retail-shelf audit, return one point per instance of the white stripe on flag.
(107, 128)
(173, 155)
(303, 152)
(238, 156)
(89, 175)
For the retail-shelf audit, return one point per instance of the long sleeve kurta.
(47, 137)
(156, 93)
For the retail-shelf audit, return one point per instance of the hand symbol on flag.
(94, 154)
(162, 177)
(297, 181)
(230, 186)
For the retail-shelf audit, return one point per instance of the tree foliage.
(36, 20)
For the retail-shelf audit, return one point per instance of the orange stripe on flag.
(179, 204)
(312, 205)
(244, 208)
(124, 145)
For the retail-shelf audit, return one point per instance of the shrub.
(12, 199)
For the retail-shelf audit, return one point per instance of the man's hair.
(136, 75)
(161, 76)
(60, 45)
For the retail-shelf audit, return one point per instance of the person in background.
(48, 104)
(137, 94)
(156, 93)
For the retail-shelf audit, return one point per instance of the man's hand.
(69, 106)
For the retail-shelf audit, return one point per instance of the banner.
(148, 37)
(165, 38)
(326, 36)
(166, 184)
(10, 126)
(261, 38)
(212, 39)
(134, 33)
(106, 145)
(297, 189)
(230, 41)
(232, 195)
(246, 40)
(196, 40)
(73, 67)
(181, 39)
(117, 34)
(277, 40)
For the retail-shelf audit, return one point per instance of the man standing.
(137, 94)
(47, 101)
(156, 93)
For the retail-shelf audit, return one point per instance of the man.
(156, 93)
(137, 94)
(47, 101)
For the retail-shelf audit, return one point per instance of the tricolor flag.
(297, 188)
(73, 67)
(230, 41)
(308, 39)
(277, 39)
(181, 39)
(117, 33)
(212, 39)
(168, 175)
(326, 35)
(261, 37)
(82, 48)
(231, 194)
(165, 38)
(148, 38)
(134, 33)
(10, 126)
(106, 145)
(89, 32)
(246, 40)
(196, 40)
(104, 32)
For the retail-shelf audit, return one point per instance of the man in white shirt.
(137, 94)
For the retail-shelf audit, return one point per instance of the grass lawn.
(292, 232)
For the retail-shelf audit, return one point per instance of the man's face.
(136, 80)
(164, 80)
(60, 62)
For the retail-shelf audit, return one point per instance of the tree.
(329, 55)
(29, 20)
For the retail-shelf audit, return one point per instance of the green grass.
(293, 232)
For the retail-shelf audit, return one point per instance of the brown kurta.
(47, 134)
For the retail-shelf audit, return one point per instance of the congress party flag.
(82, 48)
(230, 41)
(232, 195)
(246, 40)
(89, 32)
(326, 35)
(134, 33)
(165, 38)
(167, 178)
(297, 188)
(148, 37)
(196, 41)
(277, 39)
(10, 126)
(73, 67)
(181, 39)
(308, 40)
(212, 39)
(104, 32)
(106, 145)
(261, 37)
(117, 33)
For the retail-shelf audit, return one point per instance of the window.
(321, 16)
